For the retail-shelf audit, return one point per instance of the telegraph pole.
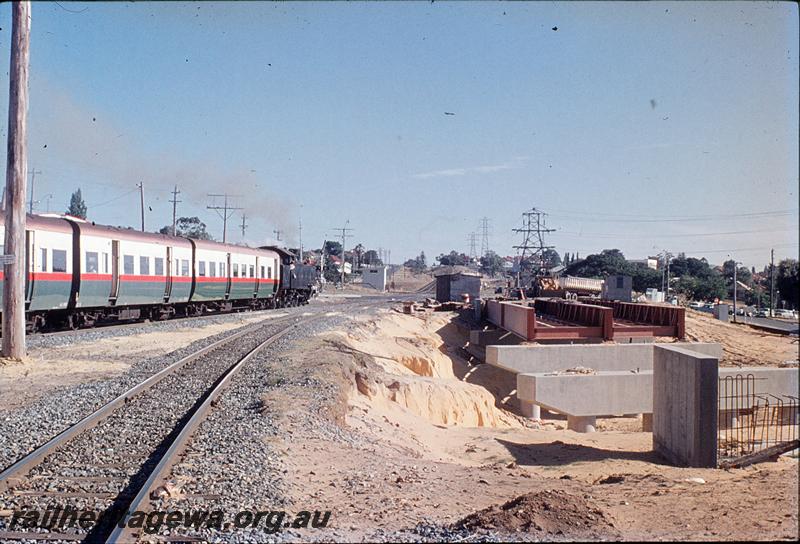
(140, 185)
(227, 211)
(175, 193)
(33, 179)
(300, 226)
(345, 236)
(244, 224)
(771, 282)
(277, 233)
(16, 180)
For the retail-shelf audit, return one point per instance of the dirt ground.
(425, 440)
(47, 368)
(742, 345)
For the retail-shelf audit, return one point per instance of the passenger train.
(80, 273)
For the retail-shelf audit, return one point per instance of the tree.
(787, 281)
(551, 258)
(491, 263)
(189, 227)
(370, 258)
(77, 207)
(358, 251)
(333, 248)
(453, 259)
(418, 264)
(607, 262)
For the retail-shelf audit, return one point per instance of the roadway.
(785, 325)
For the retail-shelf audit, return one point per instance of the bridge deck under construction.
(555, 319)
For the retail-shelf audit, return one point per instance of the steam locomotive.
(80, 273)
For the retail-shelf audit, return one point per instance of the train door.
(228, 275)
(30, 257)
(114, 271)
(257, 278)
(168, 273)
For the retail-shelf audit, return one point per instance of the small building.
(375, 277)
(649, 262)
(617, 288)
(451, 286)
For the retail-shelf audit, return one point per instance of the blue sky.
(639, 126)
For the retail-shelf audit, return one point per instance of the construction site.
(232, 332)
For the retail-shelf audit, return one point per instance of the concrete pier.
(530, 410)
(581, 424)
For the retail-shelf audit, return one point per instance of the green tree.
(551, 258)
(491, 263)
(77, 207)
(787, 281)
(453, 258)
(333, 248)
(189, 227)
(607, 262)
(370, 258)
(418, 264)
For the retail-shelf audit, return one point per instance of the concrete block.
(685, 406)
(603, 394)
(600, 357)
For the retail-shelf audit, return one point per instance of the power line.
(582, 218)
(676, 217)
(115, 198)
(225, 215)
(684, 235)
(484, 236)
(533, 247)
(472, 239)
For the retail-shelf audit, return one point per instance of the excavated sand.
(416, 374)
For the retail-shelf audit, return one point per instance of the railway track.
(112, 461)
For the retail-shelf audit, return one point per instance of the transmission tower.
(472, 238)
(484, 236)
(533, 247)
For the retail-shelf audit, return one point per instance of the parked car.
(761, 313)
(786, 314)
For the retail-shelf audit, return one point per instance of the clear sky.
(638, 126)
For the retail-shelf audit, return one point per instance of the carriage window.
(91, 262)
(127, 264)
(184, 267)
(44, 260)
(235, 270)
(105, 263)
(262, 272)
(144, 266)
(159, 266)
(222, 270)
(269, 272)
(201, 268)
(59, 260)
(212, 269)
(177, 267)
(252, 271)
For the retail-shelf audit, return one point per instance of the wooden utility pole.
(227, 211)
(33, 180)
(140, 185)
(175, 193)
(772, 283)
(16, 181)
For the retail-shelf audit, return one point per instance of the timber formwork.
(555, 319)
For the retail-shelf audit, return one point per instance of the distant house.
(649, 262)
(337, 263)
